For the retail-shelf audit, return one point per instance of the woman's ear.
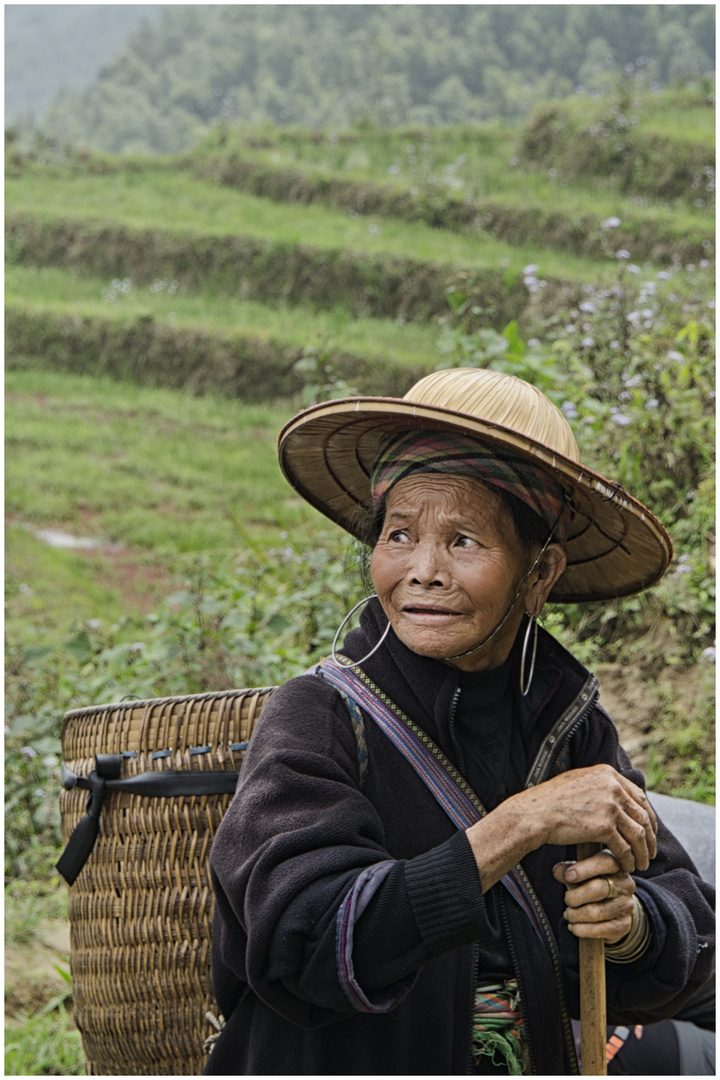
(548, 570)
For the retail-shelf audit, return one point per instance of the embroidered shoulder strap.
(358, 725)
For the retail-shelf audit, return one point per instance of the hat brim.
(615, 546)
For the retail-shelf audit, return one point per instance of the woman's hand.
(592, 804)
(599, 897)
(595, 804)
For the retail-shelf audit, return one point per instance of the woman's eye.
(465, 542)
(399, 536)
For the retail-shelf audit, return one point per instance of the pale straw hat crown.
(502, 398)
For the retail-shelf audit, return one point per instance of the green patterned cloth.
(498, 1027)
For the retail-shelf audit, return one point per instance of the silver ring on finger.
(612, 891)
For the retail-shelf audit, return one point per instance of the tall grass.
(43, 1045)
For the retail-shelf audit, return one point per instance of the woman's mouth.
(425, 611)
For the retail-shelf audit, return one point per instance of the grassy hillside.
(162, 334)
(277, 242)
(650, 151)
(473, 180)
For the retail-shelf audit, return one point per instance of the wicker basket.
(141, 908)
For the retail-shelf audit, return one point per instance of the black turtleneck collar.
(487, 733)
(491, 685)
(426, 689)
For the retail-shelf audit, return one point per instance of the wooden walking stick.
(593, 1005)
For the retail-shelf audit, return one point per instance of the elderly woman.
(396, 878)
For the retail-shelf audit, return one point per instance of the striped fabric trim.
(447, 453)
(449, 788)
(498, 1030)
(364, 888)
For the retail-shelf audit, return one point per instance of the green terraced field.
(55, 290)
(162, 471)
(260, 282)
(481, 163)
(177, 204)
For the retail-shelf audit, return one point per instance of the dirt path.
(634, 699)
(31, 976)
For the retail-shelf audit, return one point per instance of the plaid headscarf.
(449, 454)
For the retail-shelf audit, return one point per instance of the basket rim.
(136, 703)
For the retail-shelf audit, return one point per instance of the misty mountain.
(51, 47)
(336, 66)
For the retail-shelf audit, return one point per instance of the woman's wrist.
(500, 840)
(636, 941)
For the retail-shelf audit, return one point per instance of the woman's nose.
(428, 566)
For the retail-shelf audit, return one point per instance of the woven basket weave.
(141, 908)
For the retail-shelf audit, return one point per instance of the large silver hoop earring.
(350, 613)
(525, 686)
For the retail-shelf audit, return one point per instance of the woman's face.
(447, 567)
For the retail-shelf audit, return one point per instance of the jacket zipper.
(521, 989)
(562, 730)
(451, 724)
(564, 1015)
(475, 961)
(567, 725)
(475, 945)
(578, 723)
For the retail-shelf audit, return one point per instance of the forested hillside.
(335, 66)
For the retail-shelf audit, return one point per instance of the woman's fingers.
(599, 906)
(592, 804)
(639, 809)
(575, 872)
(610, 930)
(600, 890)
(625, 839)
(631, 843)
(635, 825)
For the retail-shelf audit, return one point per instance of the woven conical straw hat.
(615, 547)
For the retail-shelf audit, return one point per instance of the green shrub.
(606, 138)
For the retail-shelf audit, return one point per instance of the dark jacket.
(304, 855)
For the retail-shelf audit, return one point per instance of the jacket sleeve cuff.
(352, 907)
(444, 888)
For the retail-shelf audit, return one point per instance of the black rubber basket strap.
(106, 778)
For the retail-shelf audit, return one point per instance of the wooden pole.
(593, 1004)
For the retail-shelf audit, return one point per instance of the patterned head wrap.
(450, 454)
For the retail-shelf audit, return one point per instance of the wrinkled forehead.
(450, 493)
(454, 502)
